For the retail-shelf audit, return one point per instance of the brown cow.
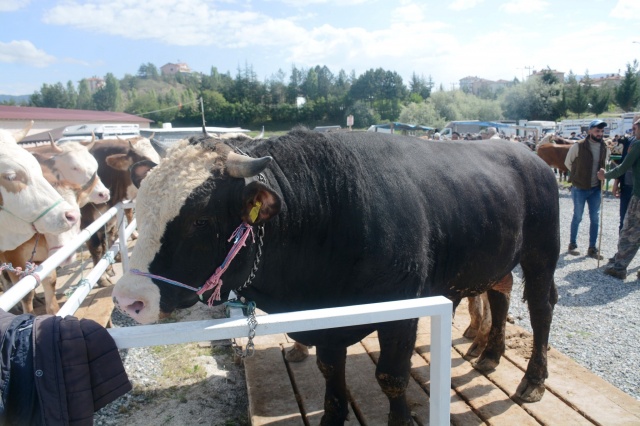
(554, 155)
(114, 157)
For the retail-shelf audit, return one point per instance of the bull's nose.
(72, 216)
(131, 307)
(104, 196)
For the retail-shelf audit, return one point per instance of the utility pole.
(529, 68)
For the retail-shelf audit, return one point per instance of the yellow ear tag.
(253, 214)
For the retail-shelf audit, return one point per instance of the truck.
(85, 132)
(542, 127)
(475, 126)
(615, 125)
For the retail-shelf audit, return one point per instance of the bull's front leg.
(49, 287)
(397, 341)
(331, 363)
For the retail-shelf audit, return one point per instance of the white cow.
(28, 203)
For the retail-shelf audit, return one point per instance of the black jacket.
(56, 371)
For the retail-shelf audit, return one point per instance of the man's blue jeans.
(592, 198)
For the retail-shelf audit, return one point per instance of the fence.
(438, 308)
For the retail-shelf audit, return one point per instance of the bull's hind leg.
(397, 341)
(498, 296)
(541, 294)
(480, 325)
(331, 363)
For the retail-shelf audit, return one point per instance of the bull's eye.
(199, 223)
(9, 176)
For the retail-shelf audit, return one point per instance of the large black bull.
(351, 218)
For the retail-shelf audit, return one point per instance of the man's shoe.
(621, 275)
(573, 249)
(593, 253)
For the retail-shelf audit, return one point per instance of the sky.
(48, 41)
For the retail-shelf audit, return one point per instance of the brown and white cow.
(28, 203)
(72, 162)
(114, 157)
(40, 247)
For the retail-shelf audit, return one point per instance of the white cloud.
(464, 4)
(11, 5)
(303, 3)
(626, 9)
(524, 6)
(24, 52)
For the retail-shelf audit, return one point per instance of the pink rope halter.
(215, 281)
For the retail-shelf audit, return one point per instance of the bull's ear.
(119, 162)
(140, 170)
(259, 203)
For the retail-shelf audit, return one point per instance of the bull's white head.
(13, 138)
(185, 169)
(28, 202)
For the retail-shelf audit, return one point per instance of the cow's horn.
(55, 147)
(23, 133)
(241, 166)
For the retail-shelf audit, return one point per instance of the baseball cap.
(597, 123)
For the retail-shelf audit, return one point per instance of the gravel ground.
(596, 322)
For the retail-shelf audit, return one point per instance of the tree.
(600, 99)
(51, 96)
(419, 86)
(108, 98)
(580, 103)
(627, 94)
(148, 71)
(85, 101)
(532, 100)
(423, 113)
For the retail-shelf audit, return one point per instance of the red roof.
(35, 113)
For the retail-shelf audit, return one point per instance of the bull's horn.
(241, 166)
(23, 133)
(55, 147)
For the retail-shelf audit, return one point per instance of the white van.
(85, 132)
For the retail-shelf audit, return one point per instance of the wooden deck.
(282, 393)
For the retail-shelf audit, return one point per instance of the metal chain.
(256, 262)
(252, 322)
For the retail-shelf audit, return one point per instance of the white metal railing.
(12, 297)
(438, 308)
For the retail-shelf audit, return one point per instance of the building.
(607, 79)
(16, 118)
(173, 69)
(95, 83)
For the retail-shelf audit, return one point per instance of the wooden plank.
(460, 413)
(271, 398)
(488, 401)
(310, 386)
(575, 386)
(550, 410)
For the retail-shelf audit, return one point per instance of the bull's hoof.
(474, 350)
(110, 272)
(529, 392)
(486, 364)
(297, 354)
(470, 333)
(134, 235)
(394, 420)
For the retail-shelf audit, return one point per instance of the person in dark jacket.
(56, 371)
(583, 160)
(623, 186)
